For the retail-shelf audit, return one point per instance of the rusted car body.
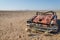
(43, 21)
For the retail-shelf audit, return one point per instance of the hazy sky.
(29, 4)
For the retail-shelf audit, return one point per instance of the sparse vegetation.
(13, 24)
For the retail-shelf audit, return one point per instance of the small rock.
(19, 36)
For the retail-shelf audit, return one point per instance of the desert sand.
(13, 24)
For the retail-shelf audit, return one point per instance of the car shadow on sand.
(58, 32)
(58, 22)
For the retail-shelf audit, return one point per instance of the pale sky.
(29, 4)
